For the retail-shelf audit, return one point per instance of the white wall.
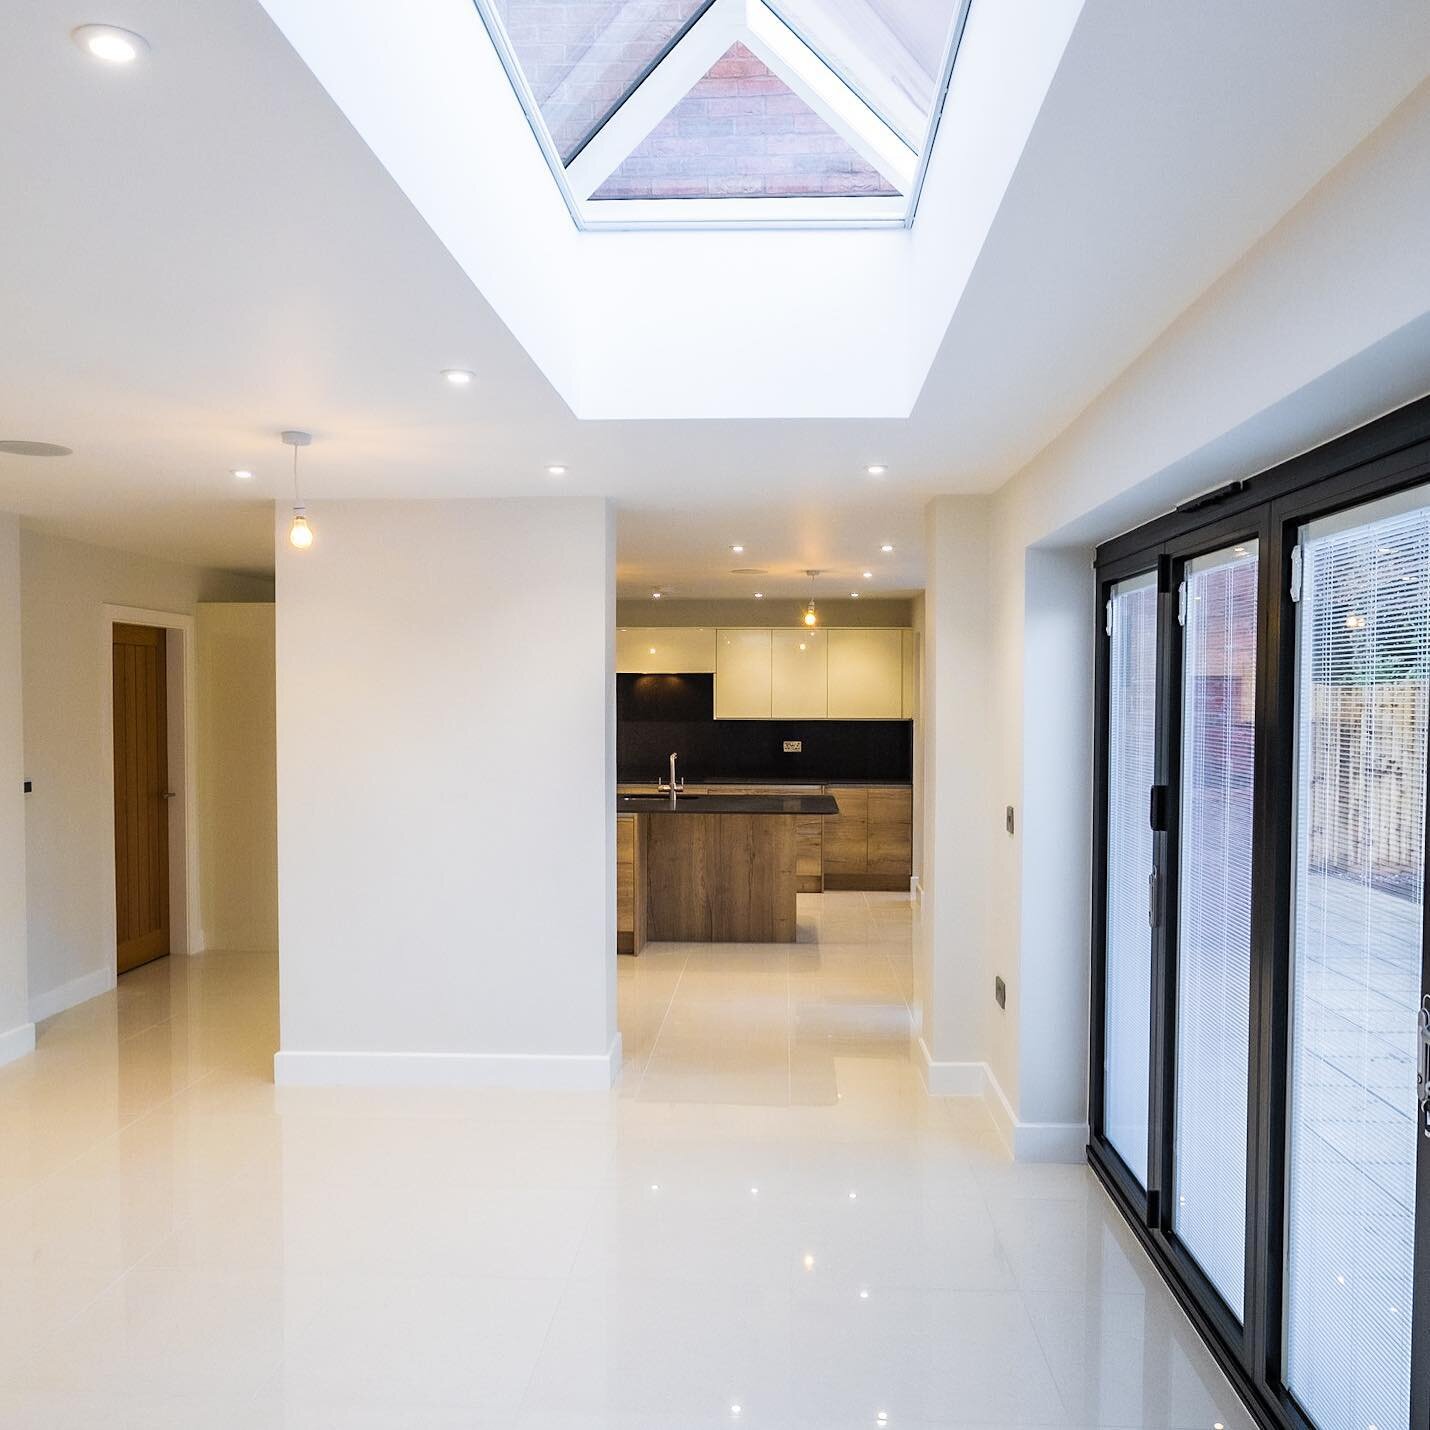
(446, 784)
(1322, 326)
(237, 775)
(956, 809)
(17, 1033)
(68, 866)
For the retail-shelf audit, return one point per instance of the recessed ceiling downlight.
(459, 376)
(110, 43)
(35, 449)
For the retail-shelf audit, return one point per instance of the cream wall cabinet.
(911, 674)
(866, 674)
(843, 673)
(664, 650)
(799, 675)
(743, 674)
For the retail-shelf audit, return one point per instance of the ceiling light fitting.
(876, 470)
(459, 376)
(886, 548)
(110, 44)
(811, 616)
(556, 470)
(242, 473)
(300, 534)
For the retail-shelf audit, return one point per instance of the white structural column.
(446, 779)
(17, 1032)
(958, 813)
(1039, 878)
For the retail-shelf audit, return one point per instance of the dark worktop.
(728, 804)
(642, 786)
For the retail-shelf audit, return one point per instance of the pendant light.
(300, 534)
(811, 617)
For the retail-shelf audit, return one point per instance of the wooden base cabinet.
(630, 884)
(869, 844)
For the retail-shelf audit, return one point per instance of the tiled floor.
(769, 1214)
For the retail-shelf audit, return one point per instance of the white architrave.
(871, 211)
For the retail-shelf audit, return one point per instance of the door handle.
(169, 794)
(1423, 1065)
(1152, 900)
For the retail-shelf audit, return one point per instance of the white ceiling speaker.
(35, 449)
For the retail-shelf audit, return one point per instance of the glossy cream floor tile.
(767, 1213)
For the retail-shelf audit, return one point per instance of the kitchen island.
(716, 868)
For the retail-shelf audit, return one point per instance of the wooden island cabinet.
(868, 844)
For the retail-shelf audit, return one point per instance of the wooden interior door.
(141, 795)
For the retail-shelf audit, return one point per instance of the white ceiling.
(200, 251)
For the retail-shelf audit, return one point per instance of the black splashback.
(656, 714)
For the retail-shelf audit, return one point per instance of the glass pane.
(1131, 769)
(582, 57)
(1364, 634)
(742, 133)
(889, 51)
(1214, 921)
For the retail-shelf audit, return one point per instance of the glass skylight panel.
(741, 132)
(581, 58)
(748, 111)
(890, 52)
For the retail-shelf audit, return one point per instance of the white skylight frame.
(689, 57)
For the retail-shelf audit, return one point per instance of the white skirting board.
(542, 1072)
(16, 1043)
(1027, 1141)
(68, 995)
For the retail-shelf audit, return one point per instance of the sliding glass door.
(1217, 614)
(1363, 659)
(1260, 1061)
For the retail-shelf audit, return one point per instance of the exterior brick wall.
(580, 57)
(742, 133)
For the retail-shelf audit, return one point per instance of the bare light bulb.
(300, 534)
(810, 618)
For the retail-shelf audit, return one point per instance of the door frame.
(185, 929)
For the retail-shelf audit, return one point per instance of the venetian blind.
(1218, 607)
(1364, 655)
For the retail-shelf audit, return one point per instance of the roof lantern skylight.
(732, 112)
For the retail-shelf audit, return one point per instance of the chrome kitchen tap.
(675, 786)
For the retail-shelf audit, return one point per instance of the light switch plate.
(794, 747)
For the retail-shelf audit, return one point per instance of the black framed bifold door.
(1130, 884)
(1260, 1037)
(1361, 587)
(1209, 983)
